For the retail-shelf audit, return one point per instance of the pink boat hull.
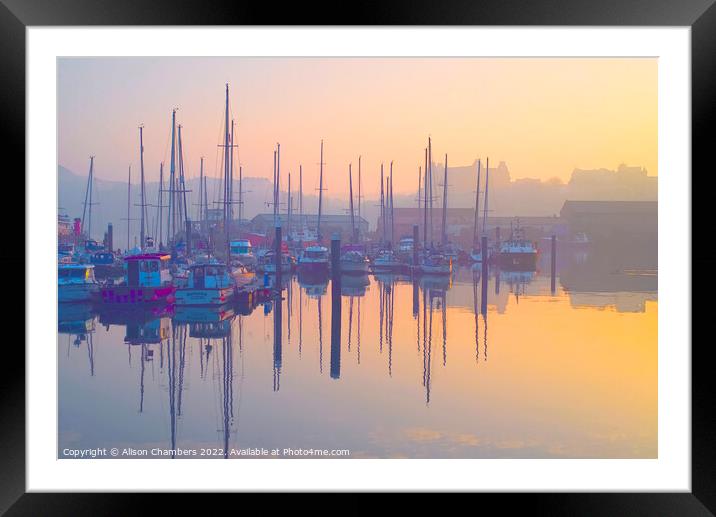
(137, 295)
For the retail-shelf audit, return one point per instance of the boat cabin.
(315, 253)
(147, 270)
(93, 245)
(103, 258)
(209, 276)
(66, 248)
(240, 247)
(75, 274)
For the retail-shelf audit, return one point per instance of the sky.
(543, 116)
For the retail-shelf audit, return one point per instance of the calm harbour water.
(391, 370)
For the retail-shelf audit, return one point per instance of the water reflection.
(547, 385)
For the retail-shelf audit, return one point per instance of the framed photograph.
(429, 251)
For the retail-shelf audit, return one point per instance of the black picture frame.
(700, 15)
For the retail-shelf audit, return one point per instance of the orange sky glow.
(542, 116)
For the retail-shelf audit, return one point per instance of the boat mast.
(226, 163)
(445, 193)
(231, 175)
(430, 167)
(88, 194)
(161, 188)
(425, 203)
(320, 198)
(300, 198)
(183, 213)
(382, 203)
(227, 173)
(129, 186)
(201, 190)
(392, 219)
(273, 201)
(359, 193)
(350, 192)
(206, 204)
(420, 180)
(143, 201)
(487, 178)
(241, 195)
(288, 209)
(172, 169)
(477, 208)
(278, 183)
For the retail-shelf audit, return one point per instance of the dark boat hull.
(518, 261)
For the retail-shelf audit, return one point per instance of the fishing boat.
(267, 264)
(518, 252)
(405, 245)
(314, 260)
(436, 263)
(92, 245)
(147, 280)
(386, 261)
(179, 270)
(242, 251)
(354, 261)
(76, 282)
(207, 284)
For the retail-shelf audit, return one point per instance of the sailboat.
(314, 259)
(435, 262)
(212, 282)
(353, 258)
(476, 253)
(387, 260)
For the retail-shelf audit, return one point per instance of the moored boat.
(436, 264)
(207, 284)
(354, 262)
(314, 260)
(386, 261)
(267, 264)
(243, 251)
(146, 281)
(76, 282)
(105, 264)
(518, 252)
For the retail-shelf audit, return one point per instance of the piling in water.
(336, 259)
(335, 307)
